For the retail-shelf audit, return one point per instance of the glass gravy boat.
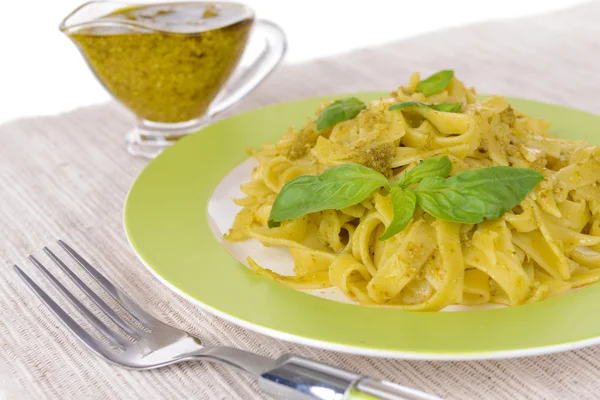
(172, 63)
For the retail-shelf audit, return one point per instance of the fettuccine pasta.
(544, 247)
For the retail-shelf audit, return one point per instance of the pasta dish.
(427, 198)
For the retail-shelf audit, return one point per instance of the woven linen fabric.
(67, 176)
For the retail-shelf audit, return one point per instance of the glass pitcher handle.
(242, 84)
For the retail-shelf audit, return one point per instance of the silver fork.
(159, 344)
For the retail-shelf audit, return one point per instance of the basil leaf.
(404, 202)
(474, 195)
(444, 107)
(435, 83)
(448, 107)
(338, 111)
(440, 167)
(336, 188)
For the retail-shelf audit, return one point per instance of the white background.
(41, 71)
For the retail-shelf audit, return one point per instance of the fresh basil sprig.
(435, 83)
(468, 197)
(404, 202)
(448, 107)
(338, 111)
(445, 107)
(474, 195)
(440, 167)
(336, 188)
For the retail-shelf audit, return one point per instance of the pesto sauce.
(166, 62)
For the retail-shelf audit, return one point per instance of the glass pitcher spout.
(92, 15)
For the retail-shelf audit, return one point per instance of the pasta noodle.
(545, 246)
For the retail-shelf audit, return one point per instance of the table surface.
(67, 177)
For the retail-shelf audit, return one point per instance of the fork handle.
(298, 378)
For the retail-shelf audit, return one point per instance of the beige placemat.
(67, 177)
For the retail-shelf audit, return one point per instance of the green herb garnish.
(474, 195)
(336, 188)
(468, 197)
(404, 202)
(445, 107)
(435, 83)
(338, 111)
(440, 167)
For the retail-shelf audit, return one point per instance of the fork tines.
(115, 339)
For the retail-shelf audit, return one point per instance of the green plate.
(167, 225)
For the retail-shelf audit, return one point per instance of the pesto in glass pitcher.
(168, 62)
